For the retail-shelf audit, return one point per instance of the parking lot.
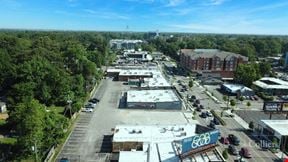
(90, 140)
(232, 127)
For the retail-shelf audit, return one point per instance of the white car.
(88, 110)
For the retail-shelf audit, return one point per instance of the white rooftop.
(157, 81)
(151, 96)
(237, 87)
(158, 143)
(135, 73)
(275, 83)
(153, 133)
(280, 126)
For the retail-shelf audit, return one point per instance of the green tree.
(225, 98)
(265, 68)
(247, 73)
(232, 103)
(190, 84)
(248, 104)
(241, 98)
(28, 117)
(225, 154)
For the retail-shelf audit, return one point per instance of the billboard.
(275, 107)
(285, 107)
(272, 106)
(200, 140)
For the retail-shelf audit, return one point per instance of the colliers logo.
(201, 140)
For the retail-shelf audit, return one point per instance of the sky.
(193, 16)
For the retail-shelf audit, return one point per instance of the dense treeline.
(250, 46)
(41, 70)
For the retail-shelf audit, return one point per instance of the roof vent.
(163, 130)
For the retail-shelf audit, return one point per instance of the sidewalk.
(239, 120)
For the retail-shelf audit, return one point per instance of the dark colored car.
(64, 160)
(233, 150)
(224, 140)
(198, 109)
(212, 125)
(195, 104)
(193, 97)
(197, 101)
(233, 139)
(216, 121)
(201, 107)
(245, 152)
(203, 115)
(94, 100)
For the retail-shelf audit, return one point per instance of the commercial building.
(212, 61)
(124, 44)
(275, 129)
(150, 78)
(237, 89)
(271, 86)
(137, 55)
(153, 99)
(125, 75)
(159, 143)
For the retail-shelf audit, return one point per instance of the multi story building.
(124, 44)
(213, 61)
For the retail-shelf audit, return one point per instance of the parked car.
(198, 109)
(245, 152)
(89, 105)
(255, 98)
(88, 110)
(195, 104)
(212, 125)
(209, 114)
(239, 159)
(197, 101)
(64, 160)
(201, 107)
(193, 97)
(224, 140)
(233, 150)
(94, 100)
(233, 139)
(216, 121)
(203, 115)
(251, 98)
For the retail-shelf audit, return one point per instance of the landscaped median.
(218, 117)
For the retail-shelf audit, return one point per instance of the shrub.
(225, 154)
(218, 117)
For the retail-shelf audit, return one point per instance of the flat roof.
(151, 96)
(159, 143)
(271, 83)
(135, 73)
(236, 87)
(157, 81)
(153, 133)
(279, 126)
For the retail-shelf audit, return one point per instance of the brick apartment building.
(213, 62)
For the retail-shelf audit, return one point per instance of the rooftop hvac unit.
(163, 130)
(183, 133)
(132, 131)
